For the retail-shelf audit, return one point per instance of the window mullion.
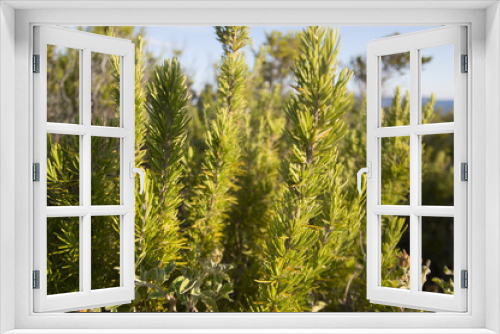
(82, 194)
(414, 173)
(86, 168)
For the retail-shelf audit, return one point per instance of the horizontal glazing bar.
(109, 210)
(393, 131)
(392, 210)
(433, 211)
(66, 129)
(434, 128)
(67, 211)
(422, 129)
(406, 210)
(79, 211)
(108, 131)
(76, 129)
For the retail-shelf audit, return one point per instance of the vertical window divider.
(86, 167)
(378, 164)
(81, 177)
(418, 171)
(414, 173)
(373, 250)
(127, 78)
(123, 174)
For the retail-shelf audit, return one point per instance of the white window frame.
(86, 43)
(484, 50)
(415, 210)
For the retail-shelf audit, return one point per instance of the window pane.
(395, 89)
(395, 252)
(437, 254)
(105, 252)
(105, 171)
(395, 161)
(63, 84)
(63, 170)
(437, 169)
(105, 89)
(437, 84)
(63, 255)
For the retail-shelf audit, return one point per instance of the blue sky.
(201, 50)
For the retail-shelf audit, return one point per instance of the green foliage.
(63, 165)
(446, 286)
(256, 185)
(63, 255)
(303, 234)
(63, 73)
(396, 154)
(105, 252)
(395, 263)
(221, 164)
(159, 240)
(250, 200)
(167, 110)
(280, 51)
(205, 284)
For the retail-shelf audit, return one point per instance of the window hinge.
(36, 279)
(465, 279)
(36, 172)
(465, 64)
(36, 63)
(464, 171)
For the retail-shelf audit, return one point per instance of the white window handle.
(139, 171)
(368, 171)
